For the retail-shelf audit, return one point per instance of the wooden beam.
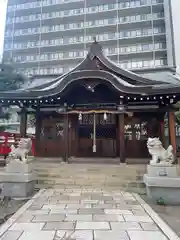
(121, 138)
(162, 132)
(172, 131)
(66, 138)
(38, 132)
(23, 122)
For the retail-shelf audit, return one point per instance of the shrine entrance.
(97, 135)
(52, 137)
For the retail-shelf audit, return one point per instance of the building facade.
(97, 110)
(46, 37)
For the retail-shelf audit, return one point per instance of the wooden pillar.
(162, 131)
(37, 131)
(121, 138)
(172, 131)
(66, 137)
(23, 123)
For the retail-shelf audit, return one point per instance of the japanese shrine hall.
(97, 110)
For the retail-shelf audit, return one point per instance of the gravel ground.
(170, 214)
(8, 207)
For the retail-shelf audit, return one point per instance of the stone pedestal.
(162, 182)
(18, 179)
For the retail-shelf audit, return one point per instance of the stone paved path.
(83, 214)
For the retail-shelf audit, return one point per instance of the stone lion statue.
(158, 153)
(21, 152)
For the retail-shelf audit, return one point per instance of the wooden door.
(52, 138)
(136, 136)
(105, 136)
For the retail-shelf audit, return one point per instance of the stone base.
(162, 170)
(18, 189)
(18, 179)
(17, 166)
(163, 187)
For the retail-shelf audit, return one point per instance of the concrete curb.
(157, 219)
(21, 210)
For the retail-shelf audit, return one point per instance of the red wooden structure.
(7, 139)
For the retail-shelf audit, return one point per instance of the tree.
(31, 121)
(10, 79)
(177, 113)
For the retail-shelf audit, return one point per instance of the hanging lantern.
(105, 116)
(80, 117)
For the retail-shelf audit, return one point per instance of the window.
(66, 13)
(101, 22)
(133, 49)
(122, 49)
(158, 46)
(81, 54)
(30, 58)
(43, 57)
(138, 32)
(134, 64)
(54, 56)
(110, 21)
(71, 54)
(139, 64)
(111, 6)
(78, 11)
(146, 64)
(145, 47)
(8, 46)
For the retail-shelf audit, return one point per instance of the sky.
(176, 20)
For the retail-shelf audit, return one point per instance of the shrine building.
(97, 110)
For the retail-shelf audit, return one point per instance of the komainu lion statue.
(21, 152)
(159, 154)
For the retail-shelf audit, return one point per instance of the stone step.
(125, 172)
(138, 188)
(100, 179)
(90, 175)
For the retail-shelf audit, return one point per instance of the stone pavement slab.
(49, 218)
(125, 226)
(78, 234)
(84, 214)
(59, 226)
(93, 225)
(48, 235)
(108, 218)
(149, 226)
(11, 235)
(78, 217)
(131, 218)
(27, 226)
(147, 235)
(108, 235)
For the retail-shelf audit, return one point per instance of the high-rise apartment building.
(52, 36)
